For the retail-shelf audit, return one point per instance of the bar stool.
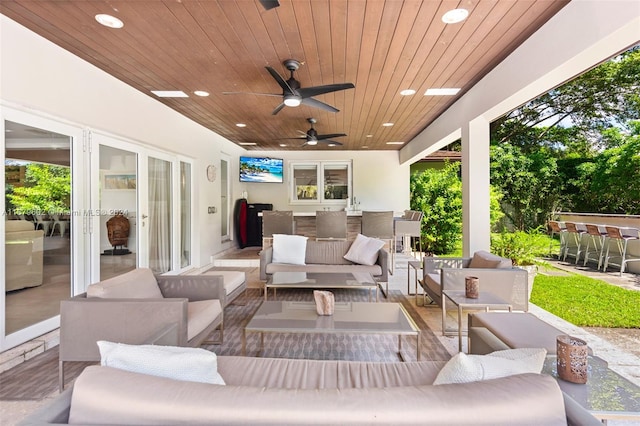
(621, 236)
(597, 236)
(408, 227)
(276, 222)
(331, 225)
(575, 231)
(558, 228)
(380, 225)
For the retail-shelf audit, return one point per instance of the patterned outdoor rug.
(38, 378)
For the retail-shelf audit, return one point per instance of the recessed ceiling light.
(364, 147)
(283, 145)
(201, 93)
(454, 16)
(248, 143)
(387, 124)
(395, 143)
(369, 136)
(444, 91)
(109, 21)
(332, 144)
(241, 125)
(170, 93)
(407, 92)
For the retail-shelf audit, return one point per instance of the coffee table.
(485, 301)
(320, 281)
(607, 395)
(348, 318)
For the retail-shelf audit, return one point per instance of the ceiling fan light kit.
(293, 94)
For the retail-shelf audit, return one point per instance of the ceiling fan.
(311, 137)
(293, 95)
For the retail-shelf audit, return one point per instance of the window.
(327, 182)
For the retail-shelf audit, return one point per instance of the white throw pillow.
(364, 250)
(463, 368)
(179, 363)
(290, 249)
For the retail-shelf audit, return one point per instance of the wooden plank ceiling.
(381, 46)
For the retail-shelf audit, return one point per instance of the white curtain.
(159, 215)
(185, 214)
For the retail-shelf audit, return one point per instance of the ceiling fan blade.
(307, 92)
(278, 109)
(318, 104)
(330, 142)
(269, 4)
(331, 135)
(281, 81)
(279, 95)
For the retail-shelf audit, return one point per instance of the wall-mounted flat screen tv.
(261, 169)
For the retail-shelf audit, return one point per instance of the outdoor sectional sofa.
(326, 256)
(266, 391)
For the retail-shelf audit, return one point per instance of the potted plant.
(525, 249)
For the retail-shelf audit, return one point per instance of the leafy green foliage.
(523, 248)
(587, 302)
(47, 190)
(438, 193)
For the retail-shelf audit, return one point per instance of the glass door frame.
(79, 267)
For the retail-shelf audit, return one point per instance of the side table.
(606, 395)
(485, 301)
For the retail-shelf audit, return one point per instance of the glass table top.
(606, 393)
(357, 317)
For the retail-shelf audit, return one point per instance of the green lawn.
(587, 302)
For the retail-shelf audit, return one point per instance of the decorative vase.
(572, 361)
(471, 287)
(325, 302)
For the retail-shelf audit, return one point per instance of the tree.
(47, 189)
(438, 193)
(604, 97)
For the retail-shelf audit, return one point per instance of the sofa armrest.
(55, 412)
(84, 321)
(192, 287)
(577, 415)
(383, 261)
(432, 265)
(266, 257)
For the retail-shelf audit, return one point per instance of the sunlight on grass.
(587, 302)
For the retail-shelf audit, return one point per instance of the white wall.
(379, 181)
(40, 77)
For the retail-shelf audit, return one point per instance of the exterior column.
(476, 226)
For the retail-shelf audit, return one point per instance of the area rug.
(37, 378)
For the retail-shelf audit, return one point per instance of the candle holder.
(325, 302)
(471, 287)
(572, 359)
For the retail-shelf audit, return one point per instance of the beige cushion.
(463, 368)
(375, 270)
(137, 284)
(231, 279)
(483, 259)
(289, 249)
(18, 225)
(200, 314)
(327, 252)
(179, 363)
(364, 250)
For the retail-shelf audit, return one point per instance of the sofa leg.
(384, 291)
(216, 342)
(60, 376)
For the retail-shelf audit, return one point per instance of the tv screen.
(261, 169)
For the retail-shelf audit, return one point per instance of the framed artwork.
(119, 181)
